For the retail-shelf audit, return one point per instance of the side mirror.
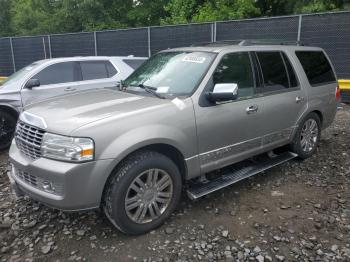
(223, 92)
(32, 83)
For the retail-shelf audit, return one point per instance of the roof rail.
(269, 42)
(249, 42)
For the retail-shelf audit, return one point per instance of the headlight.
(67, 148)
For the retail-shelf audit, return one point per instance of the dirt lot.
(298, 211)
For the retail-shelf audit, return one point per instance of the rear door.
(285, 99)
(97, 74)
(57, 79)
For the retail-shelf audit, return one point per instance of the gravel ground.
(298, 211)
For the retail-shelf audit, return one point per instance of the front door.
(55, 80)
(231, 131)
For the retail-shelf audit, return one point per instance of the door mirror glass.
(32, 83)
(223, 92)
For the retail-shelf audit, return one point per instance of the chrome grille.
(28, 139)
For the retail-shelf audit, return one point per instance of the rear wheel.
(143, 192)
(307, 136)
(7, 129)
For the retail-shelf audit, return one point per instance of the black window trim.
(330, 64)
(284, 55)
(281, 91)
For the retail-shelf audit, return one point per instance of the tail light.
(337, 93)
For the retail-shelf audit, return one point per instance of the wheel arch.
(166, 149)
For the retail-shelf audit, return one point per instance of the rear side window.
(91, 70)
(236, 68)
(274, 72)
(58, 73)
(133, 63)
(293, 82)
(316, 66)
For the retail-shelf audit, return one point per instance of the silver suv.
(233, 109)
(54, 77)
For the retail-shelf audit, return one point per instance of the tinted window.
(236, 68)
(292, 78)
(57, 73)
(133, 63)
(316, 67)
(111, 69)
(93, 70)
(273, 70)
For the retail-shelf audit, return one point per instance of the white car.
(54, 77)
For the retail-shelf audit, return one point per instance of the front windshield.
(19, 74)
(174, 73)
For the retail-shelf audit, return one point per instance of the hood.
(64, 114)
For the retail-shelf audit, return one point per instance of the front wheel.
(143, 192)
(7, 129)
(307, 136)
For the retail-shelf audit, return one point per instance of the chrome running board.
(197, 190)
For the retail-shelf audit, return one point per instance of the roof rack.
(269, 42)
(250, 42)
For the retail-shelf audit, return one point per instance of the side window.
(291, 73)
(316, 66)
(58, 73)
(111, 69)
(134, 63)
(236, 68)
(91, 70)
(274, 71)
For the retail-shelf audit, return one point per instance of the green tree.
(184, 11)
(5, 18)
(147, 12)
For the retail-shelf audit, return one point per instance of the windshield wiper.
(152, 90)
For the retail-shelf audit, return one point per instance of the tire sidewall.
(120, 188)
(296, 147)
(12, 119)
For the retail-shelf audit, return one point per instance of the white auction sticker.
(194, 59)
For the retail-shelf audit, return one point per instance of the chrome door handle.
(252, 109)
(299, 99)
(70, 89)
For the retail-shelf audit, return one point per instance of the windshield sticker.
(179, 103)
(194, 59)
(163, 89)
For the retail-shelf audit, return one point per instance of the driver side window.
(235, 68)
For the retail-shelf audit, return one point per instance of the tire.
(120, 192)
(7, 129)
(307, 136)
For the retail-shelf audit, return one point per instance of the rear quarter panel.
(320, 97)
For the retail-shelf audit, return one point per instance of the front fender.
(144, 136)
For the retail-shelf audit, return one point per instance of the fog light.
(48, 186)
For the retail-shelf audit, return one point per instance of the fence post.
(299, 28)
(44, 47)
(95, 40)
(13, 56)
(214, 35)
(49, 39)
(149, 41)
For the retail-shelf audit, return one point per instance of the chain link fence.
(330, 31)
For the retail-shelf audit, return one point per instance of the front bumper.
(79, 185)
